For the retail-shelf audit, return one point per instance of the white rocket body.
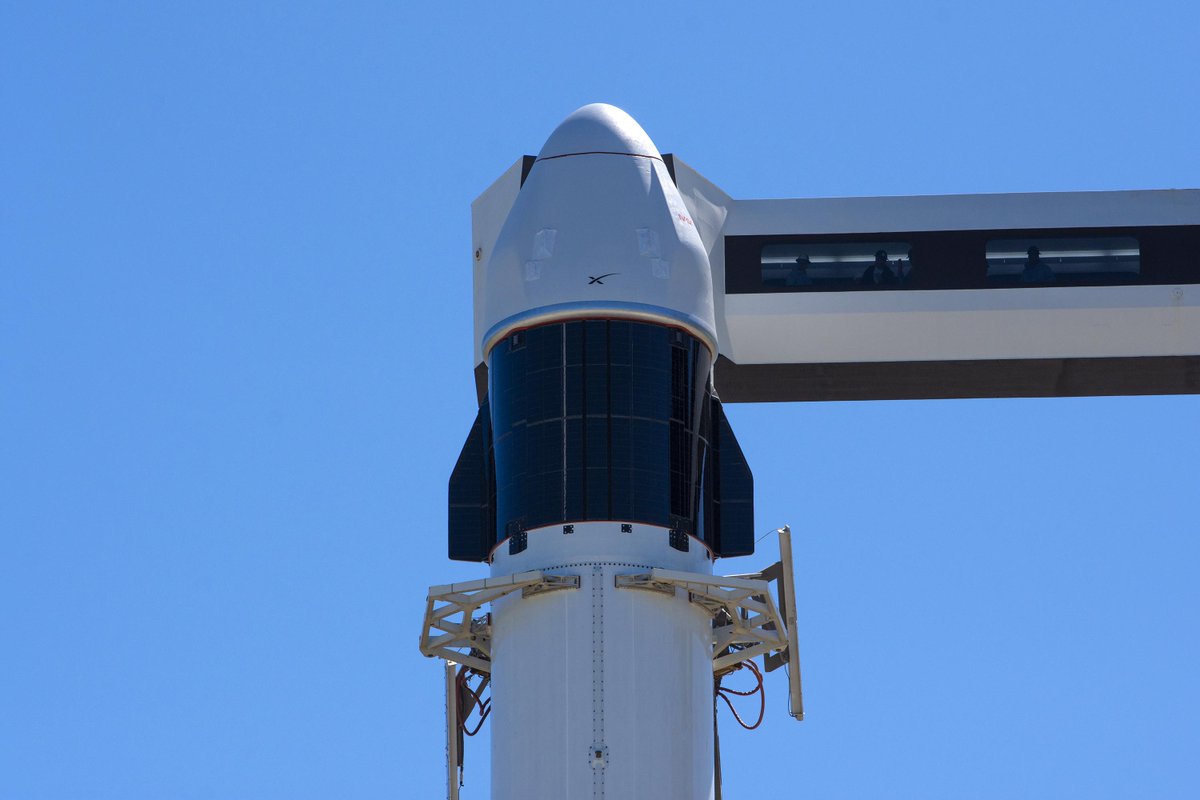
(596, 454)
(600, 692)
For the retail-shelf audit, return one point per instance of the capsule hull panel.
(601, 227)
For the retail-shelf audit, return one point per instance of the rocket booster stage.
(600, 450)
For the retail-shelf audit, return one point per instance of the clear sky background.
(235, 372)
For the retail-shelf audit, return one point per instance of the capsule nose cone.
(598, 128)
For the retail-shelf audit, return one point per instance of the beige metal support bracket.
(452, 631)
(746, 621)
(783, 575)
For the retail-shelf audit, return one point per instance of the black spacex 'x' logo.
(600, 278)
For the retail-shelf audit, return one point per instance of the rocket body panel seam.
(598, 749)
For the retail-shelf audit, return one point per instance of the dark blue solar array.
(599, 420)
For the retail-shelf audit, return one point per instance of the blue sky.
(235, 371)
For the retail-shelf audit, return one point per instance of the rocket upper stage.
(598, 230)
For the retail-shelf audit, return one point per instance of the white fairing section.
(598, 230)
(709, 207)
(488, 213)
(622, 671)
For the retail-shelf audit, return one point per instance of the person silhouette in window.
(1035, 270)
(799, 274)
(904, 268)
(880, 273)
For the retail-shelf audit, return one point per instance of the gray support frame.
(944, 380)
(453, 775)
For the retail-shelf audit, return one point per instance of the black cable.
(760, 690)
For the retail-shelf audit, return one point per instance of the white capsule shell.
(598, 230)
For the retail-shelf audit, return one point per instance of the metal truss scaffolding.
(746, 621)
(453, 632)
